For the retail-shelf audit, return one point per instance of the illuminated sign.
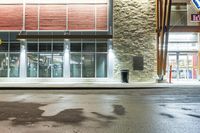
(195, 17)
(196, 3)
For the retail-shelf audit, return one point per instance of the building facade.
(77, 40)
(184, 42)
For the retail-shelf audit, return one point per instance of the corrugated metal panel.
(31, 17)
(52, 17)
(81, 17)
(101, 17)
(11, 17)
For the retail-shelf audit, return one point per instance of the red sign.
(195, 17)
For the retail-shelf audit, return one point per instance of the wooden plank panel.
(101, 17)
(11, 17)
(81, 17)
(52, 17)
(31, 17)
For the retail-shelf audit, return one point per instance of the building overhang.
(64, 37)
(184, 29)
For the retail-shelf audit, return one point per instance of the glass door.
(184, 65)
(172, 60)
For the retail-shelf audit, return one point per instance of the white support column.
(23, 63)
(110, 59)
(66, 64)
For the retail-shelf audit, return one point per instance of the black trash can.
(124, 75)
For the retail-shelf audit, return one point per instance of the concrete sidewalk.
(98, 85)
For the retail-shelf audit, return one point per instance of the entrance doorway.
(184, 65)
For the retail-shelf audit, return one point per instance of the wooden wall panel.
(101, 17)
(53, 17)
(11, 17)
(81, 17)
(31, 20)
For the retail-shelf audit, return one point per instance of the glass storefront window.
(101, 47)
(88, 66)
(101, 67)
(75, 65)
(88, 47)
(32, 63)
(88, 59)
(14, 64)
(32, 47)
(57, 65)
(4, 47)
(58, 47)
(179, 15)
(45, 65)
(75, 47)
(45, 47)
(14, 47)
(3, 64)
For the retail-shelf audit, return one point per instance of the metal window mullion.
(38, 16)
(95, 57)
(24, 17)
(95, 16)
(38, 56)
(81, 58)
(51, 65)
(67, 16)
(8, 54)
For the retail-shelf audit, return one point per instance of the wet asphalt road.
(167, 110)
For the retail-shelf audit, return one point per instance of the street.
(166, 110)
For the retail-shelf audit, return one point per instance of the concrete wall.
(134, 35)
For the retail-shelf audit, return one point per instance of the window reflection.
(32, 62)
(14, 64)
(3, 65)
(57, 65)
(101, 67)
(75, 65)
(88, 65)
(45, 65)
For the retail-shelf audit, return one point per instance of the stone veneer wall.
(134, 24)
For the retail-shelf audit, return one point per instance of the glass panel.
(179, 15)
(183, 66)
(75, 65)
(32, 62)
(75, 47)
(15, 47)
(4, 36)
(58, 65)
(32, 47)
(13, 36)
(45, 47)
(45, 65)
(4, 47)
(88, 66)
(88, 47)
(173, 62)
(101, 65)
(3, 65)
(58, 47)
(101, 47)
(14, 65)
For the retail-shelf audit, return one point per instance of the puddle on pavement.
(167, 115)
(108, 117)
(119, 109)
(186, 109)
(196, 116)
(29, 113)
